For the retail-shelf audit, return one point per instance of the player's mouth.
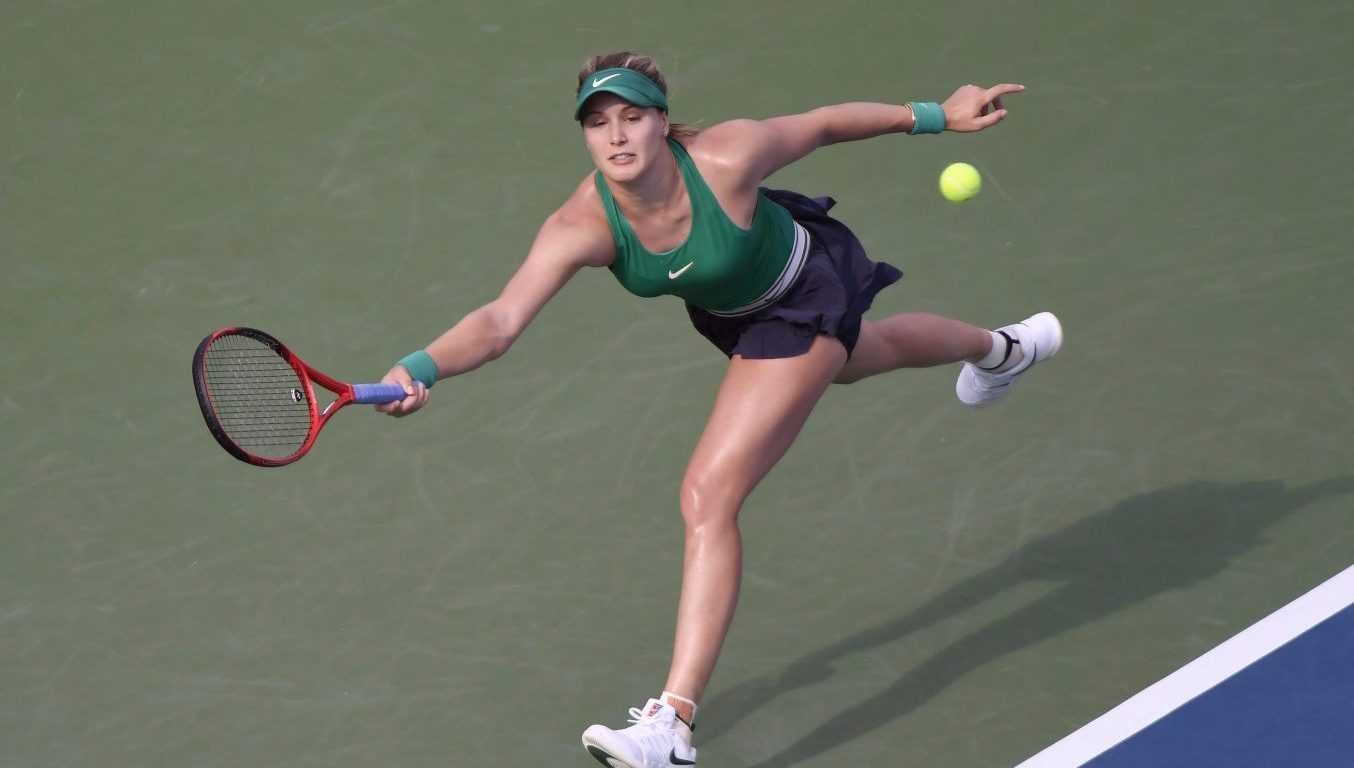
(623, 158)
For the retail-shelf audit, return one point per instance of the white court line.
(1199, 675)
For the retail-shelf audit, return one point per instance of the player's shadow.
(1143, 546)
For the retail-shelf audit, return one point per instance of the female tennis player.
(770, 278)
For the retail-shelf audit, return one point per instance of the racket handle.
(376, 394)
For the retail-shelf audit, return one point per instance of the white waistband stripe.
(799, 254)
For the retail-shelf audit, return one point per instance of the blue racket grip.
(377, 394)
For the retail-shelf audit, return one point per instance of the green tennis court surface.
(924, 584)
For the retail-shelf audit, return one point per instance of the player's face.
(624, 139)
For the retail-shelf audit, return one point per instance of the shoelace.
(652, 733)
(638, 717)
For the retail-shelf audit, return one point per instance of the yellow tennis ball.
(959, 182)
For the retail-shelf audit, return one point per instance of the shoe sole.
(597, 747)
(603, 756)
(609, 760)
(1057, 343)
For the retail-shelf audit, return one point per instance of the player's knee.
(707, 499)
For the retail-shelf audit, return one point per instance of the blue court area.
(1280, 693)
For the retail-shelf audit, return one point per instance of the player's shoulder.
(728, 155)
(583, 207)
(581, 222)
(725, 143)
(736, 128)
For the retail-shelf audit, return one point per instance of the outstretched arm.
(773, 144)
(566, 243)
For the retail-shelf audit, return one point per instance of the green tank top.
(721, 267)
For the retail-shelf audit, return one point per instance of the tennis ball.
(959, 182)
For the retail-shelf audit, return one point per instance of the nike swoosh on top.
(675, 760)
(674, 275)
(596, 81)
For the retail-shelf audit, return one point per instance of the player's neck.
(656, 189)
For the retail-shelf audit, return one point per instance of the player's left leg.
(760, 408)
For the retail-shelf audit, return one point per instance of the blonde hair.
(641, 64)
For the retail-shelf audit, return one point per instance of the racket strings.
(256, 396)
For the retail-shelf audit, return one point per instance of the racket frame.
(304, 371)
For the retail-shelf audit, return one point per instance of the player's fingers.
(990, 119)
(420, 394)
(397, 375)
(419, 398)
(1001, 89)
(415, 397)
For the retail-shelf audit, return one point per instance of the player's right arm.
(575, 236)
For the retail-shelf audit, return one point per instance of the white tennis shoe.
(1040, 337)
(656, 740)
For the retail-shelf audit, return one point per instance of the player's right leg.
(913, 340)
(1030, 341)
(993, 360)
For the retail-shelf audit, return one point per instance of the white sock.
(670, 697)
(1005, 353)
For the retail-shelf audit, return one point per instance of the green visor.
(626, 83)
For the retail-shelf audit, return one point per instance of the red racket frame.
(305, 372)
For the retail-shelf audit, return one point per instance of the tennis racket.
(258, 397)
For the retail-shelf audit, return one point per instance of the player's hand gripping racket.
(258, 396)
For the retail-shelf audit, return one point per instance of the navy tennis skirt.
(836, 286)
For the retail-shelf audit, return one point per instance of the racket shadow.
(1145, 545)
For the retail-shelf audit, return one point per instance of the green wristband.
(927, 117)
(421, 366)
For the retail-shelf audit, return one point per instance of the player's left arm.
(766, 146)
